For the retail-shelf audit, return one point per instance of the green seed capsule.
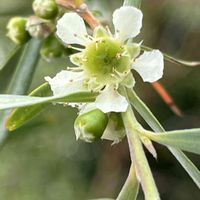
(46, 9)
(90, 126)
(52, 47)
(17, 30)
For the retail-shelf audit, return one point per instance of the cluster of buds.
(41, 25)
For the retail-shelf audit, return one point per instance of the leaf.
(7, 50)
(135, 3)
(14, 101)
(21, 79)
(149, 146)
(175, 60)
(131, 186)
(21, 115)
(188, 140)
(138, 157)
(148, 116)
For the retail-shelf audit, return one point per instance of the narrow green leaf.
(21, 80)
(14, 101)
(21, 115)
(148, 116)
(175, 60)
(136, 3)
(7, 50)
(188, 140)
(4, 59)
(131, 186)
(26, 66)
(138, 156)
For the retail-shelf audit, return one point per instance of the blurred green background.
(42, 160)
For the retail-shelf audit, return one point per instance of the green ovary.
(107, 60)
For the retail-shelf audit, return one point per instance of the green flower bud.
(52, 47)
(90, 126)
(17, 30)
(46, 9)
(39, 28)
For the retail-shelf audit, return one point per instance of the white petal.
(71, 29)
(114, 130)
(111, 101)
(150, 65)
(127, 21)
(66, 82)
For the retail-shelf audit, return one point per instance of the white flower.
(107, 60)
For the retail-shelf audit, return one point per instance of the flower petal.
(66, 82)
(127, 21)
(71, 29)
(115, 129)
(111, 101)
(150, 65)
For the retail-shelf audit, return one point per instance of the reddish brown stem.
(82, 10)
(167, 98)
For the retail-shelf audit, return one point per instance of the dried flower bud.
(17, 30)
(90, 126)
(46, 9)
(39, 28)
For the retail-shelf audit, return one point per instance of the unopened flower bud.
(90, 126)
(52, 47)
(46, 9)
(17, 30)
(39, 28)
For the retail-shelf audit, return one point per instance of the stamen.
(74, 69)
(96, 43)
(124, 54)
(109, 32)
(118, 55)
(89, 37)
(75, 48)
(84, 59)
(86, 38)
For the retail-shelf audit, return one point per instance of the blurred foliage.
(42, 160)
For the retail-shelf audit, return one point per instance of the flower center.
(107, 60)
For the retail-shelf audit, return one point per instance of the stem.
(131, 186)
(87, 15)
(151, 120)
(82, 10)
(173, 59)
(138, 157)
(21, 80)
